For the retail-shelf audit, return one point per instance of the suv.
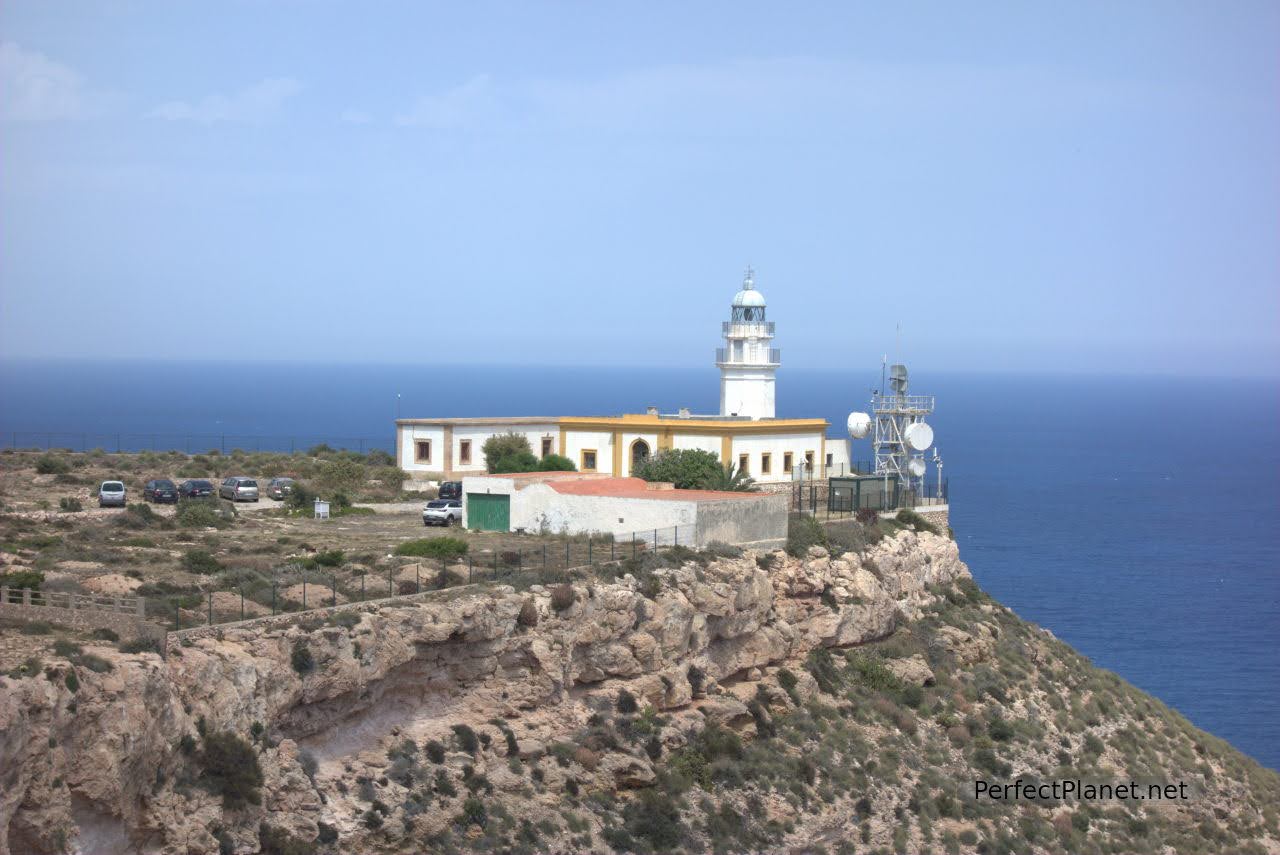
(111, 493)
(159, 491)
(442, 512)
(239, 489)
(278, 488)
(450, 490)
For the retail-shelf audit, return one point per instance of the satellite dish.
(916, 466)
(859, 425)
(919, 436)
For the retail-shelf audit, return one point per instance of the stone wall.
(939, 516)
(127, 626)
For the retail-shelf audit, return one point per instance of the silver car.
(239, 489)
(442, 512)
(111, 493)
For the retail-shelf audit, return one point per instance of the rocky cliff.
(631, 714)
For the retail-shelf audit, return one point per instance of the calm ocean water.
(1135, 517)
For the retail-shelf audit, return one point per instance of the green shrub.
(329, 558)
(686, 468)
(804, 531)
(528, 614)
(139, 515)
(556, 463)
(229, 768)
(473, 813)
(435, 752)
(300, 498)
(999, 729)
(31, 579)
(52, 464)
(467, 739)
(73, 683)
(508, 452)
(70, 504)
(200, 562)
(67, 648)
(627, 703)
(433, 547)
(301, 659)
(277, 841)
(204, 513)
(914, 521)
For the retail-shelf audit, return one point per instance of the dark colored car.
(195, 489)
(160, 490)
(278, 488)
(450, 490)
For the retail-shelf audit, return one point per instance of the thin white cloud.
(453, 108)
(356, 117)
(252, 104)
(34, 88)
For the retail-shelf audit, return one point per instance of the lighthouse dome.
(748, 297)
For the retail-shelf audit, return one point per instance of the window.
(744, 463)
(588, 460)
(464, 451)
(546, 446)
(639, 453)
(766, 463)
(808, 461)
(828, 461)
(786, 462)
(422, 451)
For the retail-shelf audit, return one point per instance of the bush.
(70, 504)
(301, 659)
(467, 739)
(556, 463)
(277, 841)
(473, 813)
(627, 703)
(563, 596)
(329, 558)
(433, 547)
(687, 468)
(31, 579)
(914, 521)
(341, 475)
(104, 634)
(435, 752)
(300, 498)
(508, 452)
(139, 516)
(528, 614)
(204, 513)
(803, 531)
(200, 562)
(52, 464)
(868, 516)
(230, 769)
(140, 645)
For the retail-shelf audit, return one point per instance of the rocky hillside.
(731, 703)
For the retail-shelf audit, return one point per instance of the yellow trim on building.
(582, 460)
(822, 456)
(700, 426)
(666, 440)
(617, 453)
(563, 442)
(726, 450)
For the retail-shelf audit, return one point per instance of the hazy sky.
(1070, 186)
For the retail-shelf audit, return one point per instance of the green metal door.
(488, 513)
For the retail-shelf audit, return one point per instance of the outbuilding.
(626, 508)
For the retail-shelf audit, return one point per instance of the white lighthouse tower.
(747, 363)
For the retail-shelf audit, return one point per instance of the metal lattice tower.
(895, 413)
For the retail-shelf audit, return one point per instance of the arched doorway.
(639, 453)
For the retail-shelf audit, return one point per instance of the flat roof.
(637, 488)
(738, 423)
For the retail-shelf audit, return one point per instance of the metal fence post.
(362, 575)
(241, 602)
(334, 579)
(469, 567)
(390, 592)
(675, 535)
(520, 560)
(544, 558)
(566, 554)
(304, 590)
(633, 544)
(273, 596)
(177, 621)
(589, 562)
(417, 578)
(209, 601)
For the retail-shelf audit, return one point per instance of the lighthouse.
(747, 363)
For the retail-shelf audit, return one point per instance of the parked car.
(111, 493)
(239, 489)
(195, 488)
(451, 490)
(278, 488)
(442, 512)
(159, 491)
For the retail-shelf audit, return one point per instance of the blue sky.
(1073, 187)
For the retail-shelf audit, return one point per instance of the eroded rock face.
(412, 669)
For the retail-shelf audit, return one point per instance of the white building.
(744, 433)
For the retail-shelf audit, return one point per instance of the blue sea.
(1136, 517)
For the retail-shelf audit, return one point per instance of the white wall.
(602, 441)
(538, 507)
(776, 445)
(479, 433)
(839, 451)
(697, 441)
(409, 435)
(747, 392)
